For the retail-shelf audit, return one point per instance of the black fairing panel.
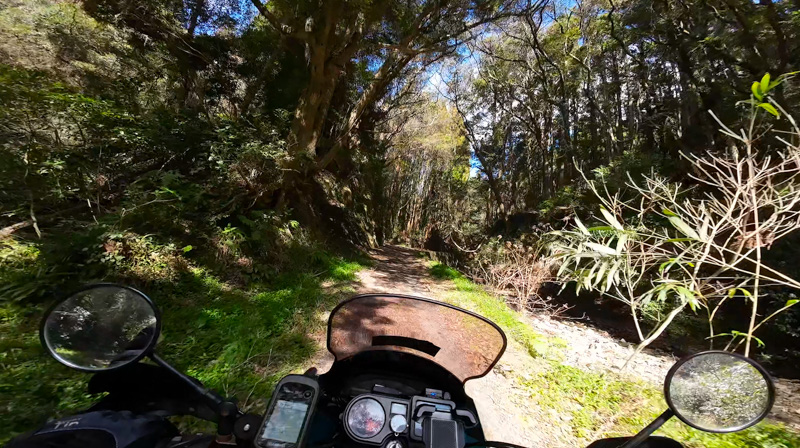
(651, 442)
(408, 375)
(100, 429)
(145, 388)
(409, 372)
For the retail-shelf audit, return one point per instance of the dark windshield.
(465, 344)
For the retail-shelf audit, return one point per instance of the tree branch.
(273, 20)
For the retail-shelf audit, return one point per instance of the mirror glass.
(101, 328)
(719, 392)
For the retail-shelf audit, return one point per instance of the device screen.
(287, 416)
(285, 422)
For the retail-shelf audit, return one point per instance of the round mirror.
(719, 391)
(101, 327)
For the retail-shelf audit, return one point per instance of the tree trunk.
(386, 74)
(309, 116)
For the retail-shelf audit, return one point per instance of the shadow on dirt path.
(398, 270)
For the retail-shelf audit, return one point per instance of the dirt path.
(504, 407)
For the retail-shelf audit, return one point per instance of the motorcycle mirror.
(719, 391)
(714, 391)
(102, 327)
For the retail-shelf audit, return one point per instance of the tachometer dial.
(366, 418)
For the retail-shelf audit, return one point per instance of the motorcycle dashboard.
(373, 418)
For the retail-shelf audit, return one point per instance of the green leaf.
(600, 228)
(621, 242)
(744, 335)
(718, 335)
(791, 302)
(581, 226)
(770, 108)
(587, 280)
(667, 265)
(600, 273)
(678, 240)
(667, 212)
(611, 275)
(587, 255)
(562, 268)
(756, 88)
(662, 295)
(688, 296)
(704, 228)
(602, 249)
(683, 227)
(611, 219)
(781, 78)
(765, 83)
(187, 248)
(746, 293)
(647, 297)
(685, 292)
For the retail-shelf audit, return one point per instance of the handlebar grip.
(227, 418)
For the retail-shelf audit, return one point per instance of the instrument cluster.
(377, 419)
(371, 418)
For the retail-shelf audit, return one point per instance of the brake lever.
(422, 410)
(467, 414)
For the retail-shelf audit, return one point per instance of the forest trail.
(504, 408)
(507, 412)
(399, 270)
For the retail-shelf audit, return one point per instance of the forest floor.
(558, 382)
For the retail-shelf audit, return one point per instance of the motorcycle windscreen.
(464, 343)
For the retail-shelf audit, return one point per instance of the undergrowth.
(236, 329)
(597, 405)
(605, 405)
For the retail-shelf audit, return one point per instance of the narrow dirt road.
(505, 409)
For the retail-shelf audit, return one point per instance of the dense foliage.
(619, 94)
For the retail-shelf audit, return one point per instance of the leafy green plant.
(683, 251)
(761, 90)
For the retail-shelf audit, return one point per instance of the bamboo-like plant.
(711, 251)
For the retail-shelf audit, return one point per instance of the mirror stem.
(649, 429)
(214, 401)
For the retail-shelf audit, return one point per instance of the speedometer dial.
(366, 418)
